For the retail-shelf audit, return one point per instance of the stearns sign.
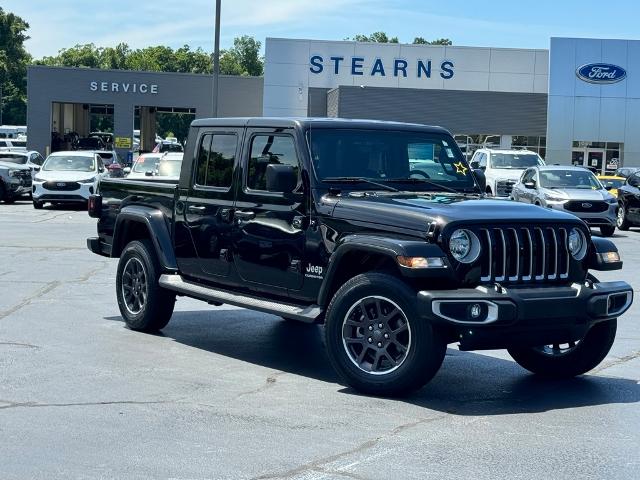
(124, 87)
(397, 67)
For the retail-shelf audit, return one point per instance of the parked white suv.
(503, 168)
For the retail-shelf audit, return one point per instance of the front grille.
(61, 186)
(586, 206)
(524, 254)
(504, 187)
(24, 174)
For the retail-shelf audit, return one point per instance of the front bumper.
(19, 187)
(593, 219)
(518, 316)
(80, 194)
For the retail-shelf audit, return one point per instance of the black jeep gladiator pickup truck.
(378, 230)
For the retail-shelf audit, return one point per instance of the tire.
(37, 205)
(9, 200)
(621, 219)
(399, 372)
(576, 360)
(3, 191)
(153, 308)
(608, 230)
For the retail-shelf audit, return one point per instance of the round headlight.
(577, 244)
(464, 246)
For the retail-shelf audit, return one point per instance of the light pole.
(1, 105)
(216, 60)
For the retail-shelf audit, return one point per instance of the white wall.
(582, 111)
(289, 71)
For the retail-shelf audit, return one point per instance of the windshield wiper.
(423, 180)
(358, 180)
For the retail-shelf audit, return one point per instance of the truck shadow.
(468, 383)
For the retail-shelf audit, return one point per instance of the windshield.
(7, 157)
(169, 168)
(612, 182)
(170, 147)
(578, 178)
(515, 160)
(420, 160)
(146, 164)
(71, 163)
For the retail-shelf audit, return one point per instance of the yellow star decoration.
(461, 168)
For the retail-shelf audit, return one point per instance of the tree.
(243, 58)
(382, 37)
(13, 68)
(377, 37)
(439, 41)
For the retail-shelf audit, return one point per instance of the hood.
(64, 176)
(13, 166)
(415, 210)
(578, 193)
(507, 173)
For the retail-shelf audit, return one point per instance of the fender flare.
(155, 222)
(389, 247)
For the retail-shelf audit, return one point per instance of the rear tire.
(607, 231)
(375, 339)
(582, 357)
(38, 205)
(144, 305)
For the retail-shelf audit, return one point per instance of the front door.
(268, 227)
(208, 209)
(595, 160)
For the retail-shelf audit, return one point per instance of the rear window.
(145, 164)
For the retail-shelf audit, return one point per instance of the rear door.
(268, 230)
(208, 207)
(630, 195)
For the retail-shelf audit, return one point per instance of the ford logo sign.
(586, 205)
(601, 73)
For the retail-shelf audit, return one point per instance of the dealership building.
(577, 102)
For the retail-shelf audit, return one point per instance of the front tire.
(621, 219)
(576, 358)
(37, 205)
(144, 305)
(375, 339)
(607, 230)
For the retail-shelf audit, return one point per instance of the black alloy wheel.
(134, 286)
(376, 335)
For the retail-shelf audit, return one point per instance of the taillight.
(95, 206)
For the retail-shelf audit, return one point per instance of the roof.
(306, 122)
(73, 153)
(514, 151)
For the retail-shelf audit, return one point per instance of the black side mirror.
(608, 187)
(480, 178)
(475, 164)
(148, 173)
(530, 185)
(281, 178)
(36, 169)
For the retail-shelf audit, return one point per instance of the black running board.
(177, 284)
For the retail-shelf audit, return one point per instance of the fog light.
(475, 310)
(421, 262)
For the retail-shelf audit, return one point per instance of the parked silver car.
(571, 189)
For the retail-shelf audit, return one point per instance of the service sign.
(601, 73)
(123, 142)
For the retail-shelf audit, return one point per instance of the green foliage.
(13, 68)
(438, 41)
(382, 37)
(243, 58)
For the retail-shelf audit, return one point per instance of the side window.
(267, 149)
(527, 176)
(482, 160)
(216, 157)
(3, 143)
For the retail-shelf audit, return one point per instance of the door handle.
(196, 208)
(244, 215)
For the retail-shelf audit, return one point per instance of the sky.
(492, 23)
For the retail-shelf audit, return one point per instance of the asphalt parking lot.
(226, 393)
